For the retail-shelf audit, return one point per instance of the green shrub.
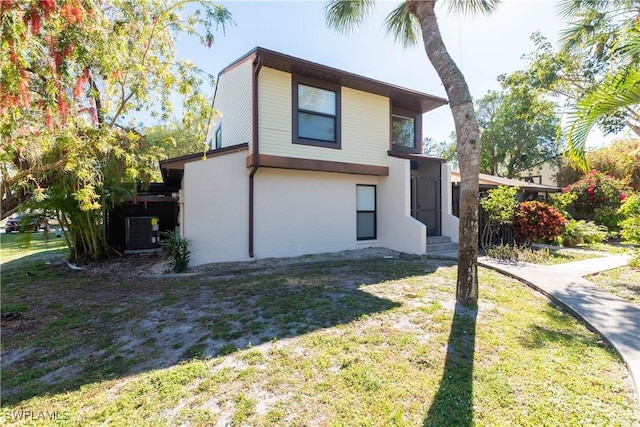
(630, 206)
(500, 205)
(177, 247)
(561, 201)
(630, 219)
(580, 231)
(537, 221)
(519, 253)
(630, 230)
(635, 262)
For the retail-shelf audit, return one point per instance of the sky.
(484, 47)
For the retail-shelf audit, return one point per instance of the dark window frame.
(297, 80)
(375, 213)
(217, 138)
(417, 131)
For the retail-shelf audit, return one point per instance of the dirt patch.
(155, 265)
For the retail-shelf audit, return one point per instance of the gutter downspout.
(254, 90)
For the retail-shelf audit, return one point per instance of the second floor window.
(219, 136)
(403, 131)
(317, 116)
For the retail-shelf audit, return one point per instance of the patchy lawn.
(368, 342)
(561, 256)
(623, 282)
(541, 254)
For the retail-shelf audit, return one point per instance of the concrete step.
(442, 247)
(438, 239)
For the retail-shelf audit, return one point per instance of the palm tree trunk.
(468, 147)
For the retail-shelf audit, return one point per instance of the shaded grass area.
(377, 342)
(623, 282)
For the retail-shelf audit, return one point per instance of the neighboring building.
(309, 159)
(545, 173)
(528, 190)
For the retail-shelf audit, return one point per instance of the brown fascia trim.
(414, 156)
(401, 96)
(179, 162)
(249, 56)
(280, 162)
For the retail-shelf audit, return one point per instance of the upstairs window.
(403, 131)
(316, 115)
(219, 137)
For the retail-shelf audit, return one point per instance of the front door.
(426, 203)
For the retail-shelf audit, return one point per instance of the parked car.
(25, 222)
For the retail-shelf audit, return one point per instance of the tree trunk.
(468, 147)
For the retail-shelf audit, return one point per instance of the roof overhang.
(490, 181)
(400, 97)
(416, 157)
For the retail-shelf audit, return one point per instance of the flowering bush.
(537, 221)
(598, 196)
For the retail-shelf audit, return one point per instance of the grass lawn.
(371, 342)
(540, 255)
(18, 245)
(561, 256)
(623, 282)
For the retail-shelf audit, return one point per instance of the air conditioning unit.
(142, 232)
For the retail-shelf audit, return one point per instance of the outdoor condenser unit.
(142, 232)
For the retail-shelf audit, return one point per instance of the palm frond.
(615, 92)
(630, 44)
(569, 9)
(595, 22)
(472, 7)
(403, 26)
(346, 15)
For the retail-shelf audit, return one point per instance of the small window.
(403, 131)
(366, 212)
(219, 137)
(316, 114)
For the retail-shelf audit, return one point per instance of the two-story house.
(308, 159)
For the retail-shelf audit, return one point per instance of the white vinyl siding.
(365, 124)
(274, 112)
(365, 127)
(233, 102)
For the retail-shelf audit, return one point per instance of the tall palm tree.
(609, 30)
(405, 23)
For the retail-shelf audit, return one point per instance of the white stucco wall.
(306, 212)
(216, 214)
(295, 212)
(398, 230)
(450, 223)
(233, 101)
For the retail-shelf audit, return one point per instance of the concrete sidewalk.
(617, 320)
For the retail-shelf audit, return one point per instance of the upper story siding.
(365, 124)
(233, 101)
